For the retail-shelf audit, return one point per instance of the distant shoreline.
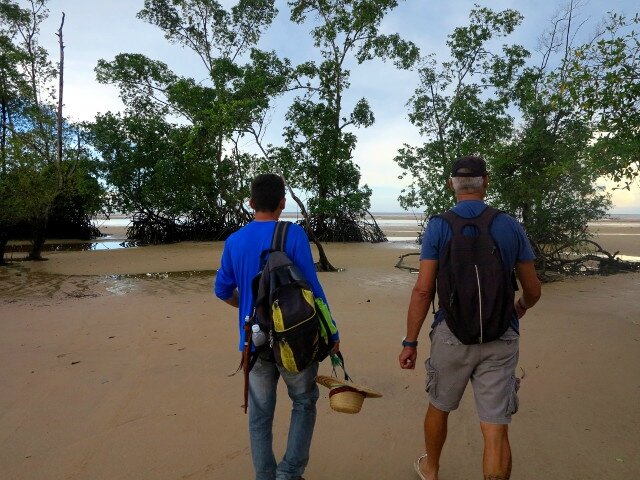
(377, 215)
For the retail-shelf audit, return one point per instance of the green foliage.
(546, 174)
(39, 194)
(543, 169)
(205, 27)
(543, 178)
(11, 55)
(22, 59)
(189, 179)
(140, 81)
(168, 174)
(41, 186)
(461, 106)
(317, 155)
(602, 80)
(321, 163)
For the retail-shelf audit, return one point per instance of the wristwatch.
(407, 343)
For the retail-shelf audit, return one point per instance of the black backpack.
(475, 290)
(297, 324)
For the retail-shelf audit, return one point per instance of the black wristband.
(407, 343)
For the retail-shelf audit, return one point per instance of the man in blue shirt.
(489, 366)
(239, 265)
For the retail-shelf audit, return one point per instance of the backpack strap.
(482, 222)
(486, 218)
(449, 217)
(278, 241)
(279, 236)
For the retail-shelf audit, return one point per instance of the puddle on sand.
(17, 281)
(166, 282)
(185, 274)
(74, 246)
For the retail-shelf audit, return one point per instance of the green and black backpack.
(298, 325)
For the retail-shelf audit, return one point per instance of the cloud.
(378, 145)
(624, 201)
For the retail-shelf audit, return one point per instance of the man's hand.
(336, 347)
(408, 357)
(531, 289)
(421, 297)
(519, 309)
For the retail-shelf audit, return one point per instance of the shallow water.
(614, 224)
(112, 222)
(74, 246)
(604, 234)
(624, 258)
(404, 239)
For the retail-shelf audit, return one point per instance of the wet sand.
(109, 373)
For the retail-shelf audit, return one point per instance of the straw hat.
(346, 397)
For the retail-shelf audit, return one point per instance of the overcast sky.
(101, 29)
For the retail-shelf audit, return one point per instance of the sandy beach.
(114, 364)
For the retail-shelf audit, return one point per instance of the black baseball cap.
(471, 166)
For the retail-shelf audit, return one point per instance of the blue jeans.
(303, 391)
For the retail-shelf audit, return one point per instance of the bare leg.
(496, 462)
(435, 434)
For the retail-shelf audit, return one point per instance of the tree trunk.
(38, 239)
(4, 238)
(3, 134)
(321, 217)
(526, 215)
(325, 265)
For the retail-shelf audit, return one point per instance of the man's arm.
(234, 299)
(421, 297)
(225, 285)
(531, 288)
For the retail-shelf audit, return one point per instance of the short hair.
(267, 190)
(467, 184)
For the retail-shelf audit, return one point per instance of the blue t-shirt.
(241, 262)
(507, 232)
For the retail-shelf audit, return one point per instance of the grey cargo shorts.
(491, 367)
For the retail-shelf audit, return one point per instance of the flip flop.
(416, 466)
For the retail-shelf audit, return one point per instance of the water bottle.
(258, 337)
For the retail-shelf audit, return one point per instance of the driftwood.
(400, 262)
(594, 261)
(552, 266)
